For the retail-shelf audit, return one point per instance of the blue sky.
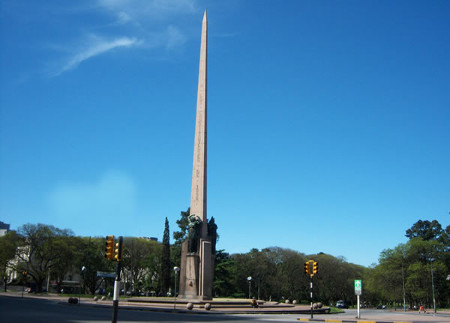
(328, 121)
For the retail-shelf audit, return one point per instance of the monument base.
(191, 278)
(196, 276)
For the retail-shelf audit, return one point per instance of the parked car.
(381, 307)
(341, 304)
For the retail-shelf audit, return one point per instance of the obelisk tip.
(204, 16)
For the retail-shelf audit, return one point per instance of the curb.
(350, 321)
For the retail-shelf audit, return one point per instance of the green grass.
(334, 310)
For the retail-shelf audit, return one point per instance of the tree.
(334, 280)
(414, 264)
(93, 260)
(165, 260)
(8, 247)
(291, 274)
(386, 280)
(223, 274)
(142, 263)
(426, 230)
(44, 248)
(183, 224)
(66, 247)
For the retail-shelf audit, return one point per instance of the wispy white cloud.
(150, 22)
(96, 46)
(136, 10)
(113, 195)
(175, 37)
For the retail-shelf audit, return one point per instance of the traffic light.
(315, 268)
(307, 267)
(118, 250)
(109, 249)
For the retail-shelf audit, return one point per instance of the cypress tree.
(165, 261)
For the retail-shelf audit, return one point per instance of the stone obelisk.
(198, 191)
(196, 257)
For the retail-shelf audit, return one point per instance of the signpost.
(358, 292)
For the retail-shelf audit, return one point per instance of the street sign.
(358, 287)
(106, 274)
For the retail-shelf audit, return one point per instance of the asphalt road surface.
(32, 310)
(35, 310)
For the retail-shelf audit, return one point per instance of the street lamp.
(83, 271)
(176, 270)
(249, 278)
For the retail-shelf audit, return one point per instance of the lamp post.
(83, 271)
(176, 270)
(249, 278)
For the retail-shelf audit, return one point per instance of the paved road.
(33, 310)
(36, 310)
(386, 316)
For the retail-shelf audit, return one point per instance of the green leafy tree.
(69, 248)
(180, 236)
(335, 278)
(92, 261)
(223, 274)
(183, 224)
(141, 263)
(8, 247)
(387, 279)
(414, 268)
(426, 230)
(291, 273)
(44, 249)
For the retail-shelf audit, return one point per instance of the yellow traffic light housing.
(315, 268)
(109, 248)
(118, 250)
(311, 268)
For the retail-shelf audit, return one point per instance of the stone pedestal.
(206, 272)
(192, 281)
(197, 272)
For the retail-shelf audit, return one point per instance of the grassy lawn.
(334, 310)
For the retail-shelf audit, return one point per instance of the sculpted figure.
(195, 224)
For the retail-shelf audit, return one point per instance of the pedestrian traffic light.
(118, 250)
(307, 267)
(315, 268)
(109, 248)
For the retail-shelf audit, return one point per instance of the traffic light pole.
(311, 268)
(117, 282)
(311, 287)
